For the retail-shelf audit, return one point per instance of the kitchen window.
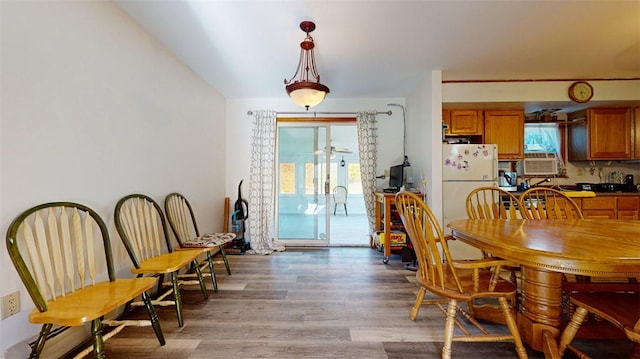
(545, 137)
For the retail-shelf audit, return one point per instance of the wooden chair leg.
(178, 299)
(223, 253)
(155, 322)
(203, 287)
(39, 344)
(214, 280)
(549, 346)
(416, 306)
(571, 329)
(513, 327)
(448, 329)
(98, 342)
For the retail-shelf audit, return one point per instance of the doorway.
(313, 158)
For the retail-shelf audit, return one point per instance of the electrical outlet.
(10, 304)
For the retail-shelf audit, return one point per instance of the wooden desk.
(548, 248)
(384, 202)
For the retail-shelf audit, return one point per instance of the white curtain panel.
(261, 184)
(367, 125)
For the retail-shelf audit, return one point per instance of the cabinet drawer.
(599, 203)
(628, 203)
(627, 214)
(599, 213)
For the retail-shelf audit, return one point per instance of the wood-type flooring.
(310, 303)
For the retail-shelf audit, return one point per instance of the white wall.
(94, 109)
(542, 91)
(424, 109)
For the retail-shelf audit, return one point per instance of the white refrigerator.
(464, 168)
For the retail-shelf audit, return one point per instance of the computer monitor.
(396, 176)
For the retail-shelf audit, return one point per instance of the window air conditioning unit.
(540, 163)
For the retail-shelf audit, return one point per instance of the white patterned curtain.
(261, 183)
(367, 125)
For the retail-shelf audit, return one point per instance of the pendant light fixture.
(305, 88)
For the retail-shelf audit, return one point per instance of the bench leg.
(155, 322)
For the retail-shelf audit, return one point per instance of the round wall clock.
(580, 91)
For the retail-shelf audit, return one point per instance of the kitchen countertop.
(604, 194)
(598, 194)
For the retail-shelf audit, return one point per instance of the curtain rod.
(249, 113)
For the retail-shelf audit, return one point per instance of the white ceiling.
(384, 48)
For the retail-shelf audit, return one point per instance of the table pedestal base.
(541, 306)
(533, 333)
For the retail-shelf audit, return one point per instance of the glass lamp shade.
(307, 94)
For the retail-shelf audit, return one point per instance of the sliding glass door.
(303, 183)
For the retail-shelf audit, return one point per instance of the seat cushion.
(210, 240)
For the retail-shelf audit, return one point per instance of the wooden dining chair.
(495, 203)
(185, 229)
(622, 309)
(62, 253)
(548, 203)
(141, 224)
(471, 282)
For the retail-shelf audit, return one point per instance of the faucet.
(544, 180)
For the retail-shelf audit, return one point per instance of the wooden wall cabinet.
(601, 134)
(463, 122)
(636, 132)
(506, 129)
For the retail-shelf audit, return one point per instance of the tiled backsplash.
(590, 172)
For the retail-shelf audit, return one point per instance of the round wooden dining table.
(548, 248)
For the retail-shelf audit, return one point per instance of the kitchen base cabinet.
(599, 207)
(628, 207)
(610, 206)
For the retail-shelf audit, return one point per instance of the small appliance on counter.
(508, 180)
(628, 179)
